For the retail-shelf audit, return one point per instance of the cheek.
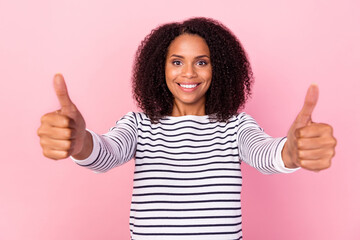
(207, 75)
(171, 73)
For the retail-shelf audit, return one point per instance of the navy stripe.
(182, 127)
(190, 133)
(183, 194)
(182, 202)
(167, 122)
(190, 217)
(191, 234)
(197, 152)
(180, 165)
(184, 209)
(186, 146)
(187, 139)
(189, 186)
(187, 226)
(198, 171)
(192, 159)
(184, 179)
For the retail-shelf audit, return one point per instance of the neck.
(188, 109)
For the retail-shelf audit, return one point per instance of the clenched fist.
(62, 133)
(309, 145)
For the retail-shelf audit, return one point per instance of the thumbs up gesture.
(62, 133)
(309, 145)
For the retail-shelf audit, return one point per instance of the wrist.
(287, 157)
(86, 147)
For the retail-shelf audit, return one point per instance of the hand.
(309, 145)
(62, 133)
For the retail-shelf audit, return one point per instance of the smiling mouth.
(189, 86)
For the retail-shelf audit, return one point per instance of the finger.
(55, 154)
(56, 132)
(57, 120)
(315, 165)
(55, 144)
(63, 133)
(312, 95)
(315, 154)
(61, 91)
(314, 130)
(315, 143)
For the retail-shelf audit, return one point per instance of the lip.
(188, 89)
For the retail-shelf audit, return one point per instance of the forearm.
(104, 152)
(264, 154)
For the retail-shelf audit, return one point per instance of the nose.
(189, 71)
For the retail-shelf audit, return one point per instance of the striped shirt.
(187, 180)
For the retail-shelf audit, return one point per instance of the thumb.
(61, 92)
(312, 95)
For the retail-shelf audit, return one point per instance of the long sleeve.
(114, 148)
(258, 149)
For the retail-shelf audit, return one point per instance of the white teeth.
(188, 86)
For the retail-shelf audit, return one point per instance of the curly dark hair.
(232, 76)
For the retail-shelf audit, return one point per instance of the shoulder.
(136, 118)
(245, 120)
(243, 116)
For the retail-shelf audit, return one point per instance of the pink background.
(290, 44)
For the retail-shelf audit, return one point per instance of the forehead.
(189, 45)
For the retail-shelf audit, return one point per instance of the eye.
(202, 63)
(176, 62)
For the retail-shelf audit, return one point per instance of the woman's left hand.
(309, 145)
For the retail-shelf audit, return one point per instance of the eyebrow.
(179, 56)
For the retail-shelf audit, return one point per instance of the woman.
(189, 79)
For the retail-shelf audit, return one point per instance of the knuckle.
(330, 142)
(328, 128)
(301, 154)
(57, 155)
(46, 117)
(39, 132)
(65, 121)
(67, 145)
(303, 164)
(44, 152)
(68, 133)
(332, 153)
(65, 154)
(43, 118)
(300, 143)
(334, 141)
(43, 131)
(48, 153)
(326, 164)
(61, 120)
(43, 142)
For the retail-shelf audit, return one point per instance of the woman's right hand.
(62, 133)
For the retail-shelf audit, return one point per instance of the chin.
(189, 101)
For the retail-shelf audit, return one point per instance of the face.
(188, 70)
